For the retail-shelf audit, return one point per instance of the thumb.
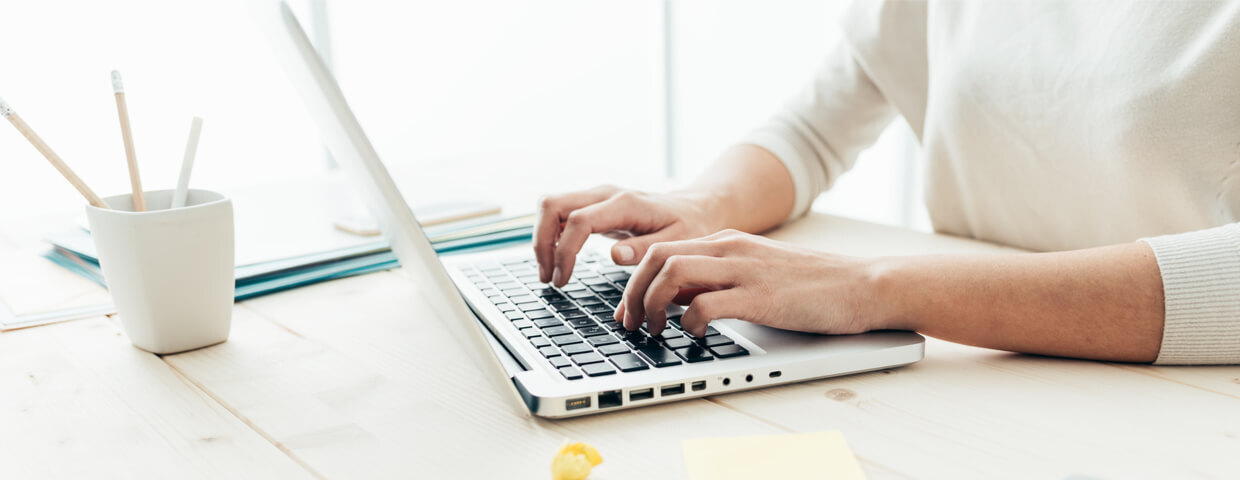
(630, 251)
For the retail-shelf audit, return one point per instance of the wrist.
(888, 294)
(711, 209)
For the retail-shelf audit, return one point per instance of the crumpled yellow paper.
(574, 461)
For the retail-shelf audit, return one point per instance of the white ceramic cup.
(170, 271)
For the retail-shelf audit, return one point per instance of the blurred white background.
(537, 96)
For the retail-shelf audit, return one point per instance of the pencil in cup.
(7, 112)
(131, 156)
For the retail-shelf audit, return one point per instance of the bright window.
(533, 97)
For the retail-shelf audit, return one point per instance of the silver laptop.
(558, 350)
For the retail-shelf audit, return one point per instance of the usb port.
(576, 403)
(613, 398)
(668, 390)
(643, 394)
(699, 385)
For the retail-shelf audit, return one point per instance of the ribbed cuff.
(1201, 287)
(783, 150)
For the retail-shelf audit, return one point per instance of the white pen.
(187, 165)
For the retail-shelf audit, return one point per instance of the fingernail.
(626, 253)
(555, 277)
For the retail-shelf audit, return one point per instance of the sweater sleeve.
(876, 69)
(1201, 289)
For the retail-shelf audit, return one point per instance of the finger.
(635, 291)
(683, 271)
(619, 315)
(552, 210)
(620, 212)
(709, 306)
(686, 295)
(630, 251)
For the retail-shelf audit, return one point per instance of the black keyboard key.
(585, 302)
(549, 351)
(715, 341)
(670, 333)
(576, 348)
(674, 321)
(618, 276)
(612, 325)
(514, 315)
(549, 294)
(598, 369)
(729, 351)
(613, 349)
(558, 330)
(560, 361)
(639, 340)
(602, 340)
(593, 332)
(611, 297)
(693, 354)
(570, 373)
(571, 314)
(537, 314)
(583, 322)
(600, 310)
(711, 331)
(520, 324)
(658, 356)
(548, 322)
(540, 341)
(628, 362)
(679, 342)
(563, 340)
(586, 358)
(563, 306)
(603, 289)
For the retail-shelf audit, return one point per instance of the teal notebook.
(75, 251)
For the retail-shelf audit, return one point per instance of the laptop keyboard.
(573, 327)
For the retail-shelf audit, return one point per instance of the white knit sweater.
(1052, 125)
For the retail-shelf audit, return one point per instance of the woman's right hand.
(565, 221)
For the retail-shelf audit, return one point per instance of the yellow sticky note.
(796, 455)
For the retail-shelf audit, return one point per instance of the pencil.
(122, 110)
(7, 112)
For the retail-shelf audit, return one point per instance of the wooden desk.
(350, 379)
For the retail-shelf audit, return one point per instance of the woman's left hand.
(736, 275)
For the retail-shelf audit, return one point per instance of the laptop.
(558, 351)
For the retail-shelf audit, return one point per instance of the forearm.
(1102, 303)
(747, 189)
